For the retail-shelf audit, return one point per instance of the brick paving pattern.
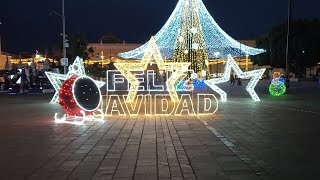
(273, 139)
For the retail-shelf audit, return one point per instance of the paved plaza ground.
(275, 139)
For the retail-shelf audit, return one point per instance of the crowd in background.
(19, 80)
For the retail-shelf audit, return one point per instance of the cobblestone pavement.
(276, 138)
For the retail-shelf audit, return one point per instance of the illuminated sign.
(134, 90)
(131, 90)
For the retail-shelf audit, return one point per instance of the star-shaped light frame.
(77, 68)
(231, 64)
(152, 53)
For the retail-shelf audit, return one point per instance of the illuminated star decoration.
(152, 53)
(77, 68)
(232, 65)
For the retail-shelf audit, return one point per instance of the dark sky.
(27, 24)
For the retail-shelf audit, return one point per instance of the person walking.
(232, 79)
(239, 82)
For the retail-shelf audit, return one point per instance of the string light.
(161, 104)
(66, 99)
(231, 64)
(190, 40)
(216, 40)
(277, 86)
(152, 53)
(77, 68)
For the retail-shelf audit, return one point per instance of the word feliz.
(116, 81)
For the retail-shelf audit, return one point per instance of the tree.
(78, 47)
(96, 70)
(91, 52)
(303, 48)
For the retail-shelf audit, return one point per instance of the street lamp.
(247, 62)
(0, 45)
(217, 54)
(64, 40)
(288, 38)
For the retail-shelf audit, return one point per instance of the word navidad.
(161, 104)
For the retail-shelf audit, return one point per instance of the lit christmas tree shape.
(77, 68)
(231, 64)
(152, 53)
(215, 39)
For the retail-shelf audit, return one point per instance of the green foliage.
(96, 70)
(304, 47)
(77, 47)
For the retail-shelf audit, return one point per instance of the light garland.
(152, 53)
(190, 44)
(216, 40)
(232, 65)
(67, 99)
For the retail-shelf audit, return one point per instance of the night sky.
(27, 24)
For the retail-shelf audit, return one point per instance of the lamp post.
(64, 40)
(247, 62)
(0, 44)
(217, 54)
(288, 38)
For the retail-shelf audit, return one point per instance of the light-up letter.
(151, 78)
(207, 104)
(134, 107)
(185, 105)
(114, 106)
(166, 106)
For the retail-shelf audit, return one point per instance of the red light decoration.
(66, 99)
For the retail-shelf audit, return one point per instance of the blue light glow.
(216, 39)
(198, 84)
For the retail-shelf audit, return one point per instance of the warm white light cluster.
(152, 53)
(216, 39)
(231, 64)
(77, 68)
(74, 120)
(161, 104)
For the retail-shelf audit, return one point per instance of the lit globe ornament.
(78, 95)
(66, 99)
(277, 88)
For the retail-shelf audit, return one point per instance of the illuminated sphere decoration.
(277, 88)
(79, 94)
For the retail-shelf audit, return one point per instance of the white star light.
(194, 30)
(187, 3)
(232, 65)
(181, 39)
(195, 46)
(77, 68)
